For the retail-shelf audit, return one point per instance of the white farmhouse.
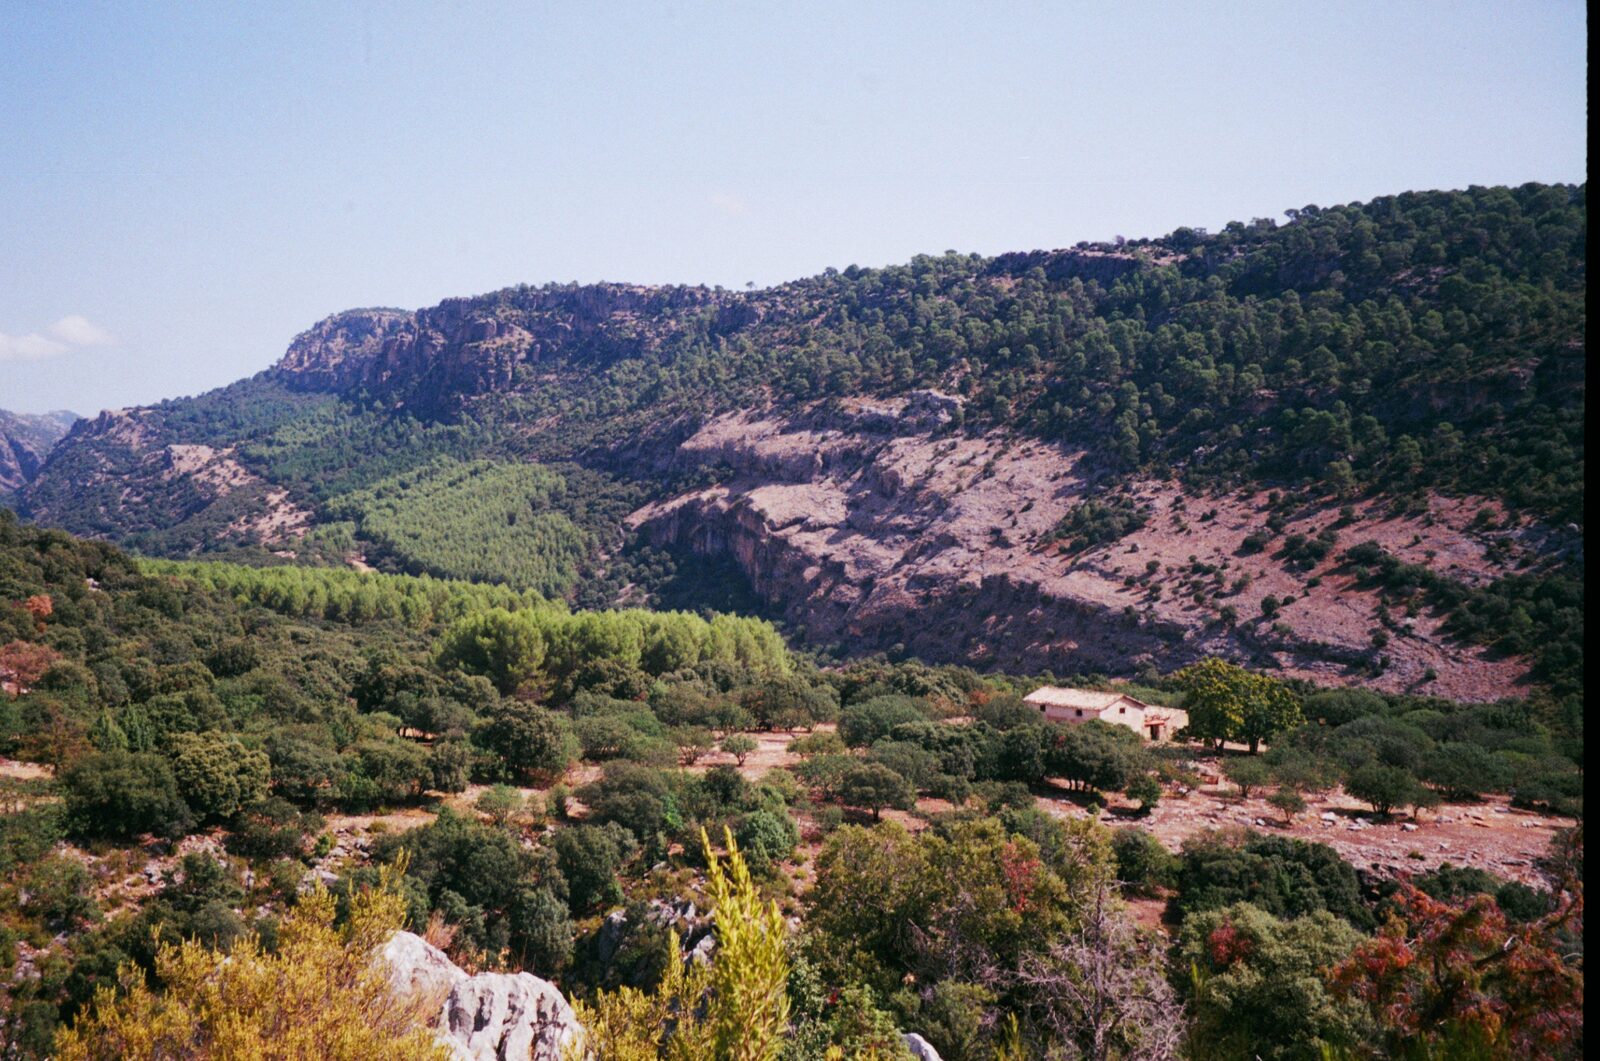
(1074, 706)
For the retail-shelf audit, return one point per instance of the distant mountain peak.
(26, 439)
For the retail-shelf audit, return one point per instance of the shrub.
(919, 767)
(1095, 756)
(1246, 774)
(863, 724)
(450, 765)
(1146, 789)
(1143, 865)
(387, 770)
(272, 829)
(1462, 771)
(319, 994)
(1258, 989)
(540, 931)
(1288, 802)
(639, 798)
(738, 1007)
(740, 746)
(500, 803)
(822, 742)
(766, 837)
(532, 741)
(60, 892)
(1385, 787)
(124, 794)
(217, 775)
(1287, 878)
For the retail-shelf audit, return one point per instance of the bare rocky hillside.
(25, 441)
(876, 529)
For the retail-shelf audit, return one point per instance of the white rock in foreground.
(487, 1017)
(920, 1048)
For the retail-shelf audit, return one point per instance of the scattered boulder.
(693, 928)
(507, 1017)
(920, 1048)
(486, 1017)
(612, 932)
(418, 968)
(701, 952)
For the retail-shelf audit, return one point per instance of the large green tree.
(1227, 702)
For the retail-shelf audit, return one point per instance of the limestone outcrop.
(486, 1016)
(875, 526)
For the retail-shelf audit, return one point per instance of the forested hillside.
(1419, 357)
(212, 772)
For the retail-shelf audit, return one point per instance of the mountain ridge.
(1416, 358)
(26, 440)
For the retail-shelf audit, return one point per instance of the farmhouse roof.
(1084, 699)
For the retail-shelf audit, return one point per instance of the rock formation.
(871, 527)
(25, 441)
(487, 1016)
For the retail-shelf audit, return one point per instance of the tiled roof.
(1084, 699)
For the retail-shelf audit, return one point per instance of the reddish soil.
(23, 771)
(1491, 835)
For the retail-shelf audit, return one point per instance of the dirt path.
(24, 771)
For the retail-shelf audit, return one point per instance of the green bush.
(590, 857)
(1143, 865)
(217, 775)
(123, 794)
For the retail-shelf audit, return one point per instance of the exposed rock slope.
(25, 441)
(874, 530)
(126, 472)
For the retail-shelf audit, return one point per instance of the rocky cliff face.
(873, 529)
(464, 347)
(338, 352)
(472, 346)
(25, 441)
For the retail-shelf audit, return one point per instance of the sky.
(187, 186)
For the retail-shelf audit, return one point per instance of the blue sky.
(187, 186)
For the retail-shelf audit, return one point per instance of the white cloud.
(78, 330)
(57, 339)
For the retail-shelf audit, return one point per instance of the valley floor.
(1489, 835)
